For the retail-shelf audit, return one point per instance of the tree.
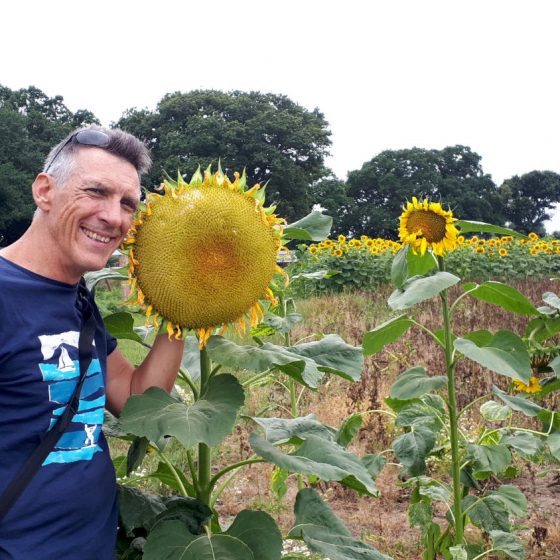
(331, 194)
(31, 123)
(275, 139)
(453, 175)
(527, 198)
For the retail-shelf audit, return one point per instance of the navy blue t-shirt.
(68, 511)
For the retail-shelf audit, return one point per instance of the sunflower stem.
(187, 379)
(453, 415)
(204, 451)
(294, 400)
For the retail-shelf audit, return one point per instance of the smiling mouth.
(96, 236)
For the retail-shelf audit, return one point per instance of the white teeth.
(95, 236)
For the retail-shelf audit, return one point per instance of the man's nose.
(112, 213)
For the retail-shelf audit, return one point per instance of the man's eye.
(129, 205)
(94, 190)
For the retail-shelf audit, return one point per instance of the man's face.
(91, 213)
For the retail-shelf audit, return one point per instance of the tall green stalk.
(204, 453)
(453, 416)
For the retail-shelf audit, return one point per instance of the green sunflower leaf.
(138, 509)
(168, 476)
(191, 358)
(505, 353)
(488, 459)
(119, 464)
(550, 298)
(555, 366)
(435, 492)
(542, 328)
(399, 267)
(283, 324)
(458, 552)
(136, 453)
(324, 533)
(155, 414)
(375, 340)
(414, 383)
(419, 412)
(487, 513)
(333, 355)
(494, 411)
(553, 442)
(413, 447)
(518, 404)
(293, 430)
(468, 226)
(121, 326)
(306, 363)
(421, 288)
(259, 532)
(507, 543)
(420, 265)
(92, 278)
(319, 457)
(374, 464)
(512, 498)
(407, 264)
(171, 540)
(349, 429)
(525, 443)
(551, 385)
(504, 296)
(316, 226)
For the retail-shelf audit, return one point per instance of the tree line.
(280, 144)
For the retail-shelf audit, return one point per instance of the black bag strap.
(49, 439)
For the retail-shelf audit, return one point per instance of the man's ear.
(43, 190)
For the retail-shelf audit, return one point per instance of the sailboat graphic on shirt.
(61, 371)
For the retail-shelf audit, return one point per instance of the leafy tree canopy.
(380, 188)
(527, 199)
(331, 194)
(275, 139)
(31, 123)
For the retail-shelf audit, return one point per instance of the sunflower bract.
(203, 253)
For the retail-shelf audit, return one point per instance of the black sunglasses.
(96, 138)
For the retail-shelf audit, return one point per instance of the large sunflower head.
(202, 254)
(426, 225)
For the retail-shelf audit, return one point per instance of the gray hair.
(122, 144)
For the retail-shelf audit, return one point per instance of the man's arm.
(159, 369)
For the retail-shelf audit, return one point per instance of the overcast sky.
(387, 74)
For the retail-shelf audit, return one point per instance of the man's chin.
(95, 264)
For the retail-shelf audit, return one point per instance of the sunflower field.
(320, 410)
(365, 263)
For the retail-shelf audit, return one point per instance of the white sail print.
(65, 363)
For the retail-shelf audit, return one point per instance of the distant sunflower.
(503, 252)
(533, 387)
(202, 254)
(426, 225)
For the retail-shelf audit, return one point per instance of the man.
(86, 197)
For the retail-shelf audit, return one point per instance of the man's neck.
(36, 255)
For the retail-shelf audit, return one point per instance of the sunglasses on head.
(89, 137)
